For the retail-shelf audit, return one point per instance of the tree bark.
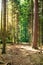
(4, 27)
(35, 24)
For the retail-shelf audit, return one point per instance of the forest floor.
(21, 55)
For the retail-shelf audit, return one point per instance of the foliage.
(24, 21)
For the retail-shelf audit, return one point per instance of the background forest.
(19, 24)
(21, 32)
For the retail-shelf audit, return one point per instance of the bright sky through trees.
(0, 9)
(0, 5)
(21, 2)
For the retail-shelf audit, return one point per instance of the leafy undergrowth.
(21, 55)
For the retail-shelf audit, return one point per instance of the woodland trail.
(22, 55)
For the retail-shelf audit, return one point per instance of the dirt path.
(22, 55)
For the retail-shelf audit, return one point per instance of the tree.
(40, 22)
(1, 22)
(7, 14)
(35, 24)
(32, 15)
(4, 26)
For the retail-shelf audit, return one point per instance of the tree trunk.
(32, 15)
(17, 28)
(1, 22)
(4, 27)
(13, 24)
(42, 20)
(7, 15)
(35, 24)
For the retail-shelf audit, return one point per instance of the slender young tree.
(17, 27)
(35, 24)
(7, 14)
(32, 15)
(42, 19)
(4, 27)
(1, 21)
(13, 22)
(12, 25)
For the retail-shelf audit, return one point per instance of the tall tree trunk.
(13, 24)
(35, 24)
(7, 15)
(1, 22)
(4, 27)
(32, 15)
(12, 27)
(17, 29)
(42, 20)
